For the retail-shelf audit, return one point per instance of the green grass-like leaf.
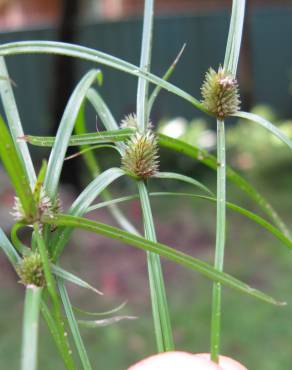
(104, 313)
(182, 178)
(105, 115)
(91, 163)
(251, 215)
(65, 131)
(160, 311)
(59, 329)
(93, 324)
(161, 249)
(88, 157)
(54, 330)
(101, 137)
(68, 276)
(9, 249)
(234, 36)
(14, 122)
(74, 326)
(267, 125)
(16, 171)
(165, 77)
(210, 161)
(81, 52)
(83, 201)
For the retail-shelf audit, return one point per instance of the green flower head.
(220, 93)
(140, 158)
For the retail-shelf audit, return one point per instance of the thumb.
(226, 363)
(176, 361)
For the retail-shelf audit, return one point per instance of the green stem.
(56, 306)
(220, 240)
(160, 311)
(145, 61)
(30, 327)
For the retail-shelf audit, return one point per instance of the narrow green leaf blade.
(57, 327)
(109, 312)
(183, 178)
(234, 36)
(8, 249)
(267, 125)
(111, 202)
(13, 119)
(15, 170)
(91, 162)
(102, 110)
(165, 251)
(74, 326)
(245, 212)
(65, 353)
(210, 161)
(66, 275)
(83, 201)
(160, 310)
(165, 77)
(101, 137)
(251, 215)
(76, 51)
(93, 324)
(94, 189)
(89, 158)
(65, 131)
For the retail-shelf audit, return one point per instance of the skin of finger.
(175, 361)
(226, 363)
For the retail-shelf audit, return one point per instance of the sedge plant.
(38, 208)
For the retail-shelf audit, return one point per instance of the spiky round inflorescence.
(220, 93)
(140, 158)
(130, 121)
(45, 207)
(30, 270)
(17, 210)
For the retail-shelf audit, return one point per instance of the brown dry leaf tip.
(30, 270)
(140, 158)
(220, 93)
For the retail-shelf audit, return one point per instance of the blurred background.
(257, 334)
